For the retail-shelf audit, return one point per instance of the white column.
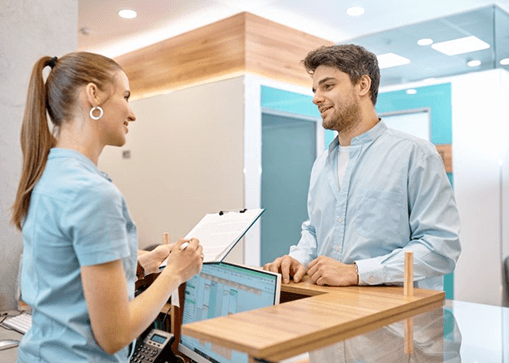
(28, 30)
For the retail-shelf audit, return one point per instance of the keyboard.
(21, 323)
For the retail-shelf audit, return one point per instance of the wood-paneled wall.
(243, 43)
(445, 151)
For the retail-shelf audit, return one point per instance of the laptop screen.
(221, 289)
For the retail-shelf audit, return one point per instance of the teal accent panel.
(449, 176)
(286, 101)
(288, 153)
(435, 97)
(329, 137)
(449, 279)
(280, 100)
(449, 286)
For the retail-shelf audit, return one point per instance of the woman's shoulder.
(70, 178)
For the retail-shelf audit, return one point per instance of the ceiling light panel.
(355, 11)
(425, 41)
(389, 60)
(127, 14)
(460, 46)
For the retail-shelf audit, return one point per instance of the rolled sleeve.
(97, 225)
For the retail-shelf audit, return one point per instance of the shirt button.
(372, 279)
(336, 248)
(340, 220)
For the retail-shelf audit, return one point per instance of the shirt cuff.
(371, 272)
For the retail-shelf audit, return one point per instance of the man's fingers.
(297, 275)
(285, 269)
(312, 267)
(314, 276)
(312, 263)
(273, 266)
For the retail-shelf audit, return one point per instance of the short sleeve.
(96, 224)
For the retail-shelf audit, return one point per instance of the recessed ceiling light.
(388, 60)
(425, 41)
(504, 62)
(474, 63)
(460, 46)
(127, 14)
(355, 11)
(411, 91)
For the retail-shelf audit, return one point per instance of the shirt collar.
(365, 137)
(68, 153)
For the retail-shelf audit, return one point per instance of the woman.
(80, 244)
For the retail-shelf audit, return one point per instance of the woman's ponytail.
(36, 141)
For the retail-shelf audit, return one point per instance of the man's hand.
(150, 261)
(328, 271)
(288, 267)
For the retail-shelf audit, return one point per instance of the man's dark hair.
(352, 59)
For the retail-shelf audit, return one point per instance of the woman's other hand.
(150, 261)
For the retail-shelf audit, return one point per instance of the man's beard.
(345, 120)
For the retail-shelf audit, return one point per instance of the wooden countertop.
(319, 317)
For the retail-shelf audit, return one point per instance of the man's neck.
(366, 124)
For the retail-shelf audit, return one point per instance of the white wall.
(28, 30)
(480, 147)
(187, 159)
(480, 139)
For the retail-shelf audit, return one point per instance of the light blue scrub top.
(77, 217)
(395, 197)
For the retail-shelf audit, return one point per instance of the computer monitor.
(221, 289)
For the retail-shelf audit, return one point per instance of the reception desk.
(454, 331)
(360, 324)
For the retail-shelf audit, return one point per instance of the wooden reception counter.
(310, 317)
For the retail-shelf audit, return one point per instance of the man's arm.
(434, 224)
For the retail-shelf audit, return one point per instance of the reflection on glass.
(436, 338)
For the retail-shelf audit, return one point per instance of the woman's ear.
(92, 94)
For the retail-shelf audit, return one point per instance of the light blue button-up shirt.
(395, 197)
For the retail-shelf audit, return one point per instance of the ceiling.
(386, 26)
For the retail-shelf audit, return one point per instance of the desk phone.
(155, 347)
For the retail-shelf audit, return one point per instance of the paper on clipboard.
(219, 233)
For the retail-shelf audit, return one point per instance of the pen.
(184, 245)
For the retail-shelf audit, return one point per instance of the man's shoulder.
(407, 141)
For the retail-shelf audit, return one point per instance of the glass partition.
(481, 42)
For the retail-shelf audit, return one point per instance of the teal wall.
(436, 98)
(286, 101)
(285, 178)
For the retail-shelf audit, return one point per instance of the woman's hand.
(187, 262)
(150, 261)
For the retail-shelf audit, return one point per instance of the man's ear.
(92, 94)
(364, 85)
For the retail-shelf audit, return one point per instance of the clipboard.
(220, 232)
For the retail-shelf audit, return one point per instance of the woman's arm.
(115, 320)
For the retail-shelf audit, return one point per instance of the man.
(374, 194)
